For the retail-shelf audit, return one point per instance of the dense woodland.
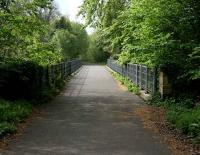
(158, 33)
(34, 31)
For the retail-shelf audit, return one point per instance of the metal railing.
(32, 79)
(64, 69)
(142, 76)
(60, 71)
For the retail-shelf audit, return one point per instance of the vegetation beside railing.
(183, 110)
(141, 76)
(183, 113)
(31, 81)
(25, 84)
(34, 41)
(151, 33)
(126, 82)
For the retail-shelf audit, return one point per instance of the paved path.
(94, 116)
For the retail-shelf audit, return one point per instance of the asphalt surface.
(94, 116)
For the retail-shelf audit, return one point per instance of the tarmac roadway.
(93, 116)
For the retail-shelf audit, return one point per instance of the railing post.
(154, 81)
(69, 65)
(43, 84)
(136, 74)
(147, 80)
(65, 64)
(128, 71)
(140, 76)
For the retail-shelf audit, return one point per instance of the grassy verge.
(183, 114)
(11, 114)
(125, 81)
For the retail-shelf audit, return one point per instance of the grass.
(11, 114)
(125, 81)
(14, 112)
(183, 114)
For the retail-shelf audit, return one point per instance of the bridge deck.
(94, 116)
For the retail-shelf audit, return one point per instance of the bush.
(19, 80)
(28, 80)
(182, 114)
(12, 113)
(7, 128)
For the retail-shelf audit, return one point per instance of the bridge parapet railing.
(52, 74)
(28, 79)
(141, 75)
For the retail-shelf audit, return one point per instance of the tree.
(101, 13)
(49, 14)
(70, 37)
(23, 32)
(157, 33)
(95, 52)
(63, 23)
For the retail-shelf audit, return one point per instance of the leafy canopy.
(161, 33)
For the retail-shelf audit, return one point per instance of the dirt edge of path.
(154, 119)
(21, 129)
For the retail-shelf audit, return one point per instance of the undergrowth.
(125, 81)
(11, 114)
(182, 113)
(14, 112)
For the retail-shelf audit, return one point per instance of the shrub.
(182, 114)
(12, 113)
(27, 80)
(7, 128)
(19, 80)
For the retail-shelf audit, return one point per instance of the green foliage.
(35, 82)
(63, 23)
(157, 33)
(33, 40)
(71, 38)
(125, 81)
(183, 114)
(7, 128)
(24, 34)
(187, 120)
(12, 113)
(100, 13)
(31, 31)
(95, 52)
